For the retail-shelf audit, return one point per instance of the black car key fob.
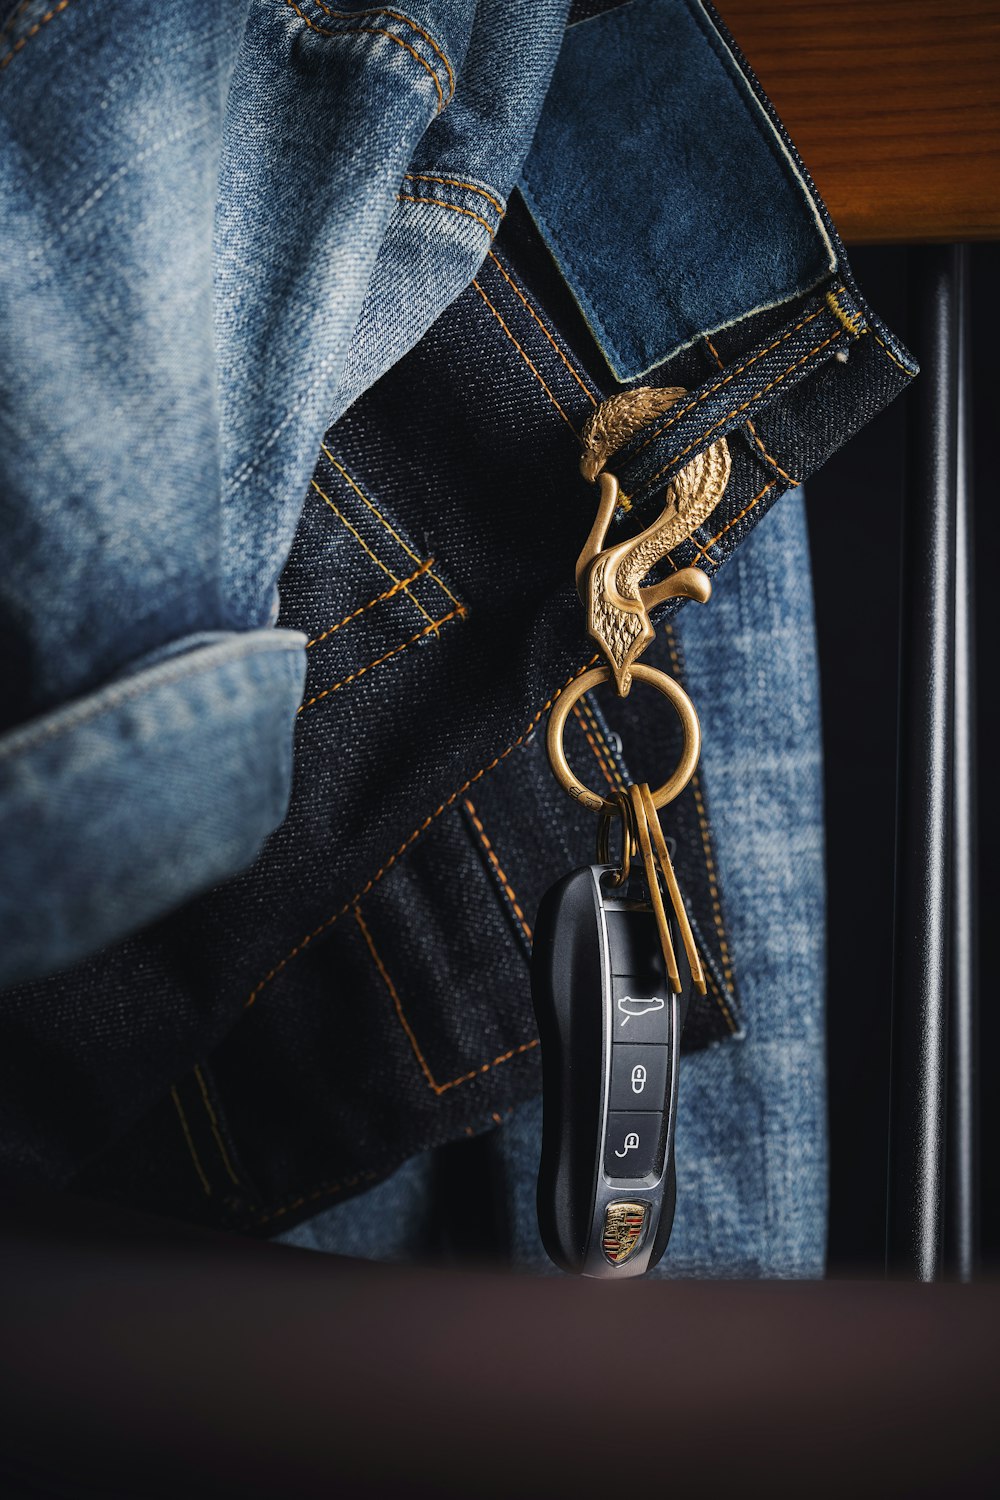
(610, 1029)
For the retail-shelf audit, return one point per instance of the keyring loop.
(622, 806)
(685, 709)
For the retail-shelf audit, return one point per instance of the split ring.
(684, 708)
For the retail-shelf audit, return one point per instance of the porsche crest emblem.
(623, 1226)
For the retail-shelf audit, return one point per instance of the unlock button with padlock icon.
(632, 1146)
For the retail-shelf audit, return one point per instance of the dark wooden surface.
(893, 104)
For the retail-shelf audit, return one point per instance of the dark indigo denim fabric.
(751, 1135)
(360, 995)
(219, 225)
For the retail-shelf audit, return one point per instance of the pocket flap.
(664, 189)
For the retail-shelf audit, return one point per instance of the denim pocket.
(388, 598)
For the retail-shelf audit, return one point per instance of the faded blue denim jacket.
(228, 232)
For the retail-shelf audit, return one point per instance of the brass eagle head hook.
(609, 579)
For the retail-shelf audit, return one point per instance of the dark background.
(855, 505)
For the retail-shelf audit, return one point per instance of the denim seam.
(454, 207)
(105, 700)
(413, 837)
(397, 15)
(897, 362)
(377, 31)
(799, 363)
(23, 41)
(720, 927)
(389, 593)
(433, 628)
(329, 1189)
(519, 291)
(751, 429)
(738, 517)
(470, 187)
(437, 1088)
(506, 886)
(681, 411)
(326, 1189)
(213, 1122)
(366, 548)
(389, 528)
(8, 25)
(394, 996)
(185, 1127)
(852, 322)
(608, 771)
(528, 361)
(616, 757)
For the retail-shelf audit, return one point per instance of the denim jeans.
(357, 996)
(751, 1145)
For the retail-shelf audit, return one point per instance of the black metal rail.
(932, 1108)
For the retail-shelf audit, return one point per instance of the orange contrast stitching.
(470, 187)
(438, 1088)
(390, 529)
(206, 1186)
(214, 1123)
(730, 524)
(401, 583)
(598, 754)
(719, 998)
(706, 843)
(527, 361)
(485, 1067)
(750, 426)
(513, 284)
(737, 409)
(599, 734)
(8, 25)
(727, 969)
(853, 322)
(440, 203)
(380, 10)
(454, 207)
(434, 626)
(491, 853)
(883, 345)
(363, 544)
(412, 838)
(772, 461)
(383, 971)
(23, 41)
(322, 1191)
(677, 412)
(371, 31)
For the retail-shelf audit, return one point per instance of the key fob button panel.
(634, 947)
(632, 1145)
(638, 1077)
(640, 1010)
(610, 1030)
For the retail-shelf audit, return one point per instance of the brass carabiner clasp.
(609, 579)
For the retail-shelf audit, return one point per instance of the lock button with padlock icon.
(638, 1076)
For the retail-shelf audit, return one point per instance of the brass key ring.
(686, 766)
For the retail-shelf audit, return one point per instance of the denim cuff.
(183, 767)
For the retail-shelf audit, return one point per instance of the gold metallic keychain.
(615, 958)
